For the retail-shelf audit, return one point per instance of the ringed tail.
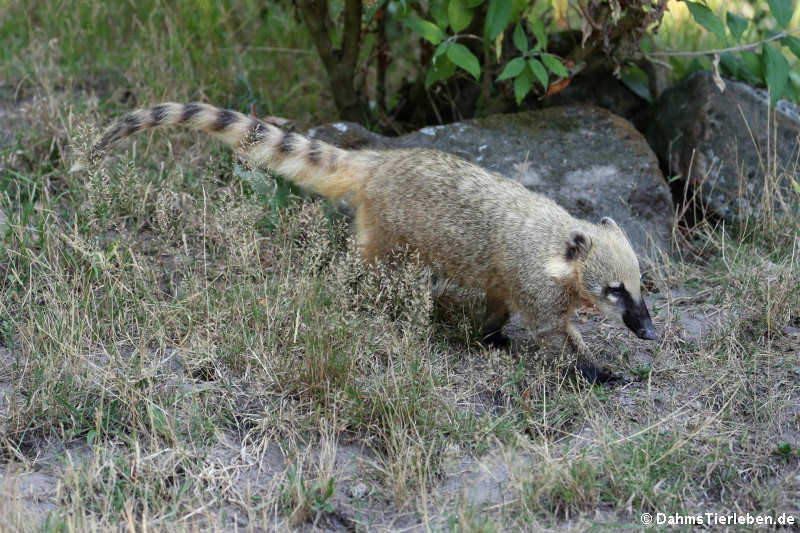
(312, 164)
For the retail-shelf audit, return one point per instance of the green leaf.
(776, 72)
(441, 49)
(440, 70)
(474, 3)
(790, 92)
(517, 8)
(555, 66)
(646, 44)
(523, 84)
(497, 18)
(158, 418)
(461, 56)
(792, 43)
(427, 30)
(512, 69)
(796, 185)
(706, 18)
(754, 65)
(439, 13)
(782, 11)
(637, 81)
(459, 15)
(431, 77)
(733, 66)
(520, 40)
(540, 33)
(539, 71)
(737, 25)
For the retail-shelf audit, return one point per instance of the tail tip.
(87, 161)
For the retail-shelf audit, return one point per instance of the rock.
(590, 161)
(350, 136)
(694, 126)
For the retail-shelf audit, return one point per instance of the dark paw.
(598, 376)
(496, 340)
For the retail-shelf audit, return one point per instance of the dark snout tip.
(638, 320)
(647, 333)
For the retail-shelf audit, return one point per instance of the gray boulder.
(718, 141)
(590, 161)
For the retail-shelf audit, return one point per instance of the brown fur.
(477, 228)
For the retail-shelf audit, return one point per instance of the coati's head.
(609, 275)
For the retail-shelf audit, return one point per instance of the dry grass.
(190, 347)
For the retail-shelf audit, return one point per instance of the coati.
(476, 228)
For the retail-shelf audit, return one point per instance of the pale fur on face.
(610, 264)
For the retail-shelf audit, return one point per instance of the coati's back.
(473, 224)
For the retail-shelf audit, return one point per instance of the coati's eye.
(614, 291)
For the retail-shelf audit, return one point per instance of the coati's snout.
(639, 322)
(635, 315)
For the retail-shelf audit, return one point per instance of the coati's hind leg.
(496, 316)
(371, 242)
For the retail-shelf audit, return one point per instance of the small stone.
(359, 490)
(790, 331)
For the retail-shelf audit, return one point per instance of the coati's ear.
(608, 221)
(578, 246)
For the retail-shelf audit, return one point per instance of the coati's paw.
(599, 376)
(496, 340)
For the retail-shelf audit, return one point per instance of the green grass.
(236, 53)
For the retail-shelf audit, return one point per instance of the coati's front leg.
(559, 336)
(585, 362)
(576, 339)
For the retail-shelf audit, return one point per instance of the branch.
(740, 48)
(340, 63)
(588, 17)
(351, 36)
(382, 53)
(317, 18)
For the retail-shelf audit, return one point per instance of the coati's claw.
(497, 340)
(598, 376)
